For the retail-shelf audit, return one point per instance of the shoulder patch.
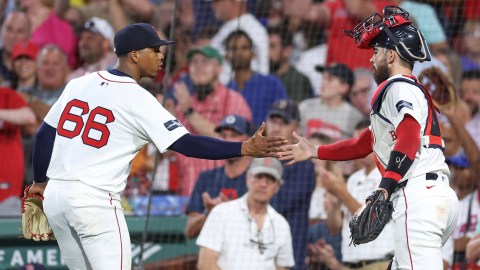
(403, 104)
(172, 124)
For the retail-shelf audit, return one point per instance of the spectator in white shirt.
(247, 233)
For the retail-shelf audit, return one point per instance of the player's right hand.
(261, 146)
(301, 151)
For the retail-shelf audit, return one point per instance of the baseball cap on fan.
(287, 109)
(268, 165)
(235, 122)
(207, 51)
(28, 49)
(317, 126)
(459, 161)
(99, 26)
(137, 36)
(339, 70)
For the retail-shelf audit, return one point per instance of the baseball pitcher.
(87, 142)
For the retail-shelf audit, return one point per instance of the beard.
(240, 64)
(381, 74)
(274, 66)
(474, 107)
(202, 91)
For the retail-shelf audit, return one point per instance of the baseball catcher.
(407, 142)
(34, 222)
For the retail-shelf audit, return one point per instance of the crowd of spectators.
(236, 64)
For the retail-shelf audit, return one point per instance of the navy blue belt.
(428, 176)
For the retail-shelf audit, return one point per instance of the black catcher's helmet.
(392, 31)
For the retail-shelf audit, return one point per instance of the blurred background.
(235, 64)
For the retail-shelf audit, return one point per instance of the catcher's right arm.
(370, 220)
(34, 222)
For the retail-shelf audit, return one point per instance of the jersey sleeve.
(155, 123)
(401, 99)
(211, 235)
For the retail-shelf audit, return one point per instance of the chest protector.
(384, 131)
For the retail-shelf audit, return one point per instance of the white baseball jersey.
(102, 121)
(426, 210)
(401, 98)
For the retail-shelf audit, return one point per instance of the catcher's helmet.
(392, 31)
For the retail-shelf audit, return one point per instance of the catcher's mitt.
(443, 91)
(34, 222)
(369, 223)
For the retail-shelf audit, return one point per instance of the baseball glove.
(369, 223)
(442, 88)
(34, 222)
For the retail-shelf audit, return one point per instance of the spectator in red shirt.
(336, 16)
(14, 113)
(202, 109)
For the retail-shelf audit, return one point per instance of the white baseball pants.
(89, 226)
(425, 214)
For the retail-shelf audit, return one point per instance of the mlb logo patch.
(172, 124)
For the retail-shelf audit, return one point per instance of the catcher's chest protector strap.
(432, 128)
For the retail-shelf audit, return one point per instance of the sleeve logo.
(172, 124)
(403, 104)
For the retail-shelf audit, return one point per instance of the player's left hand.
(261, 146)
(37, 188)
(34, 222)
(368, 222)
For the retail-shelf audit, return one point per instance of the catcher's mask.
(392, 31)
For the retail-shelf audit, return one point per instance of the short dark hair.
(285, 37)
(237, 34)
(471, 74)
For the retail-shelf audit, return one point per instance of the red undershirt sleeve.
(350, 149)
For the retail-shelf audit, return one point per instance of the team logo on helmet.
(394, 31)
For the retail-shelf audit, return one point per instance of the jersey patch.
(403, 104)
(172, 124)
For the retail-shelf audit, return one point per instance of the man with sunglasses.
(405, 136)
(247, 233)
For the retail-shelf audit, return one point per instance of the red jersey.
(11, 149)
(341, 48)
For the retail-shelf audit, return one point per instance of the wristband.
(399, 163)
(389, 185)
